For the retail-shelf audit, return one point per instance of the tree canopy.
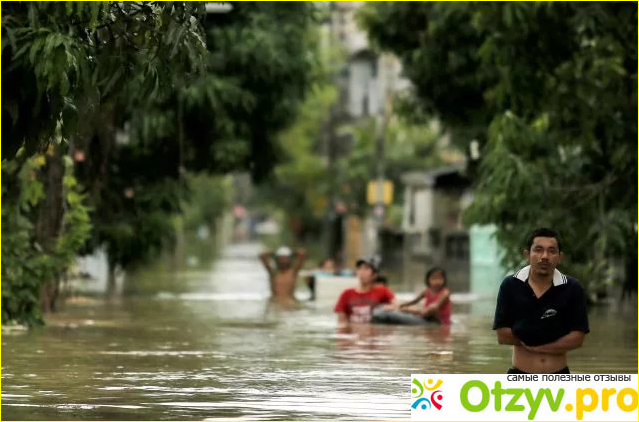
(552, 90)
(137, 94)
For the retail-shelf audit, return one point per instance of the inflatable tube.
(383, 316)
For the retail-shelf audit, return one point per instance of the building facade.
(364, 81)
(434, 234)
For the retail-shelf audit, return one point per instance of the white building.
(366, 75)
(433, 231)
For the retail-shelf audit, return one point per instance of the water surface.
(205, 344)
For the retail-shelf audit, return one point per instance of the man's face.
(365, 274)
(544, 255)
(283, 261)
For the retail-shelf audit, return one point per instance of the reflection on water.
(211, 347)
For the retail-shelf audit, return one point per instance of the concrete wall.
(486, 271)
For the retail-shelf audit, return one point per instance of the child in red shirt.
(437, 306)
(357, 304)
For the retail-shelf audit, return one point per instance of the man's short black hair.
(543, 232)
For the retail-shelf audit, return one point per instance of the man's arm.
(571, 341)
(342, 320)
(503, 321)
(299, 261)
(265, 257)
(505, 336)
(579, 327)
(341, 308)
(390, 300)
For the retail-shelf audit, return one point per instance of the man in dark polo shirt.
(540, 311)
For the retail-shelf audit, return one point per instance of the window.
(435, 237)
(374, 67)
(450, 248)
(457, 247)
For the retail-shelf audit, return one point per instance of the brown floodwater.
(205, 344)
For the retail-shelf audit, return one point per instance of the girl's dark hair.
(432, 271)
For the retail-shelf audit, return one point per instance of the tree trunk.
(111, 279)
(177, 255)
(49, 222)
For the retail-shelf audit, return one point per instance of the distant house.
(432, 225)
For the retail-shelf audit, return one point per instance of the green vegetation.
(137, 94)
(550, 92)
(30, 268)
(300, 187)
(408, 147)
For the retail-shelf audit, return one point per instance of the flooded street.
(206, 345)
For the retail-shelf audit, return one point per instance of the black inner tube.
(384, 316)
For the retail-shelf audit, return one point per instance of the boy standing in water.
(357, 304)
(283, 276)
(437, 306)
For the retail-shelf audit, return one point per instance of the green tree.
(207, 199)
(437, 45)
(559, 83)
(221, 119)
(408, 147)
(27, 266)
(301, 186)
(298, 185)
(78, 60)
(142, 92)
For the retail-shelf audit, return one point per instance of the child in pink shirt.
(437, 306)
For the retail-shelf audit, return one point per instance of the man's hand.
(563, 345)
(342, 321)
(534, 349)
(301, 257)
(505, 336)
(265, 258)
(390, 307)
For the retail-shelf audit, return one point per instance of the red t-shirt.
(445, 309)
(358, 307)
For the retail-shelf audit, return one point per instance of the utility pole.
(330, 145)
(330, 205)
(384, 118)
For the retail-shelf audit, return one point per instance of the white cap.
(283, 251)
